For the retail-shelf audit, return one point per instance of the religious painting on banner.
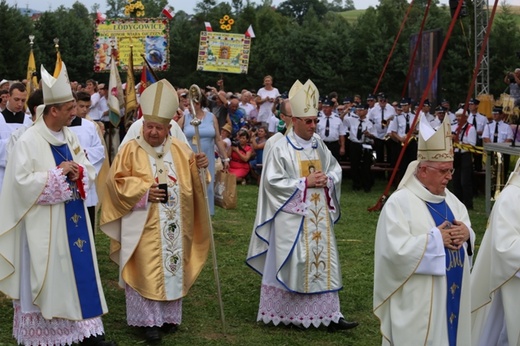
(148, 36)
(423, 65)
(223, 52)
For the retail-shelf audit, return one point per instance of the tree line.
(299, 39)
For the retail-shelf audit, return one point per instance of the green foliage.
(503, 47)
(75, 30)
(15, 47)
(298, 9)
(115, 8)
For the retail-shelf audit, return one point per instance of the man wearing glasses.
(293, 245)
(423, 250)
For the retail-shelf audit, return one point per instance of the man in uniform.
(398, 130)
(478, 121)
(465, 134)
(331, 130)
(498, 131)
(155, 213)
(293, 245)
(360, 149)
(380, 116)
(423, 249)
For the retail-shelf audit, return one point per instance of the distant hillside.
(352, 16)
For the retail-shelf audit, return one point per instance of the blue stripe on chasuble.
(79, 245)
(454, 271)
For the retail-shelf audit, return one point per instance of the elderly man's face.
(155, 133)
(435, 176)
(233, 105)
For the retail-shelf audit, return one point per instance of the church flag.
(32, 80)
(147, 78)
(131, 97)
(57, 68)
(115, 95)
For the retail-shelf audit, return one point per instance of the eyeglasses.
(309, 121)
(443, 171)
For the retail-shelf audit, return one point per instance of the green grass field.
(240, 286)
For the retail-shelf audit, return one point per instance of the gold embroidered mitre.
(435, 145)
(304, 99)
(159, 102)
(295, 87)
(56, 90)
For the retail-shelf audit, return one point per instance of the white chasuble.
(313, 262)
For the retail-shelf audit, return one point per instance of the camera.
(235, 143)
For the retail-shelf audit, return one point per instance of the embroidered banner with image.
(148, 36)
(222, 52)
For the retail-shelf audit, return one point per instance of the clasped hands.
(70, 169)
(317, 179)
(454, 235)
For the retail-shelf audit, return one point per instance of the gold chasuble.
(161, 247)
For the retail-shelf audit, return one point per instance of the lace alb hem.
(142, 312)
(33, 329)
(279, 305)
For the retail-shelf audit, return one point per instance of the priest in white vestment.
(12, 118)
(87, 133)
(423, 249)
(495, 279)
(155, 213)
(293, 245)
(48, 263)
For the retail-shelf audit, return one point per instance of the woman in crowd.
(241, 153)
(209, 137)
(258, 144)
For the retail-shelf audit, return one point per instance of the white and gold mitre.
(56, 90)
(435, 145)
(295, 87)
(304, 99)
(159, 102)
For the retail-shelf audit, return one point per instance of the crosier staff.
(195, 95)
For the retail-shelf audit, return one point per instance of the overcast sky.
(184, 5)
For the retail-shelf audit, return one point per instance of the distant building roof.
(29, 12)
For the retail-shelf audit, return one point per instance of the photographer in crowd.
(241, 153)
(513, 80)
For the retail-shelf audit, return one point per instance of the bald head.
(286, 113)
(233, 105)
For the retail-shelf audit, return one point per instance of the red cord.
(393, 47)
(433, 73)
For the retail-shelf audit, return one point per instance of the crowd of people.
(152, 179)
